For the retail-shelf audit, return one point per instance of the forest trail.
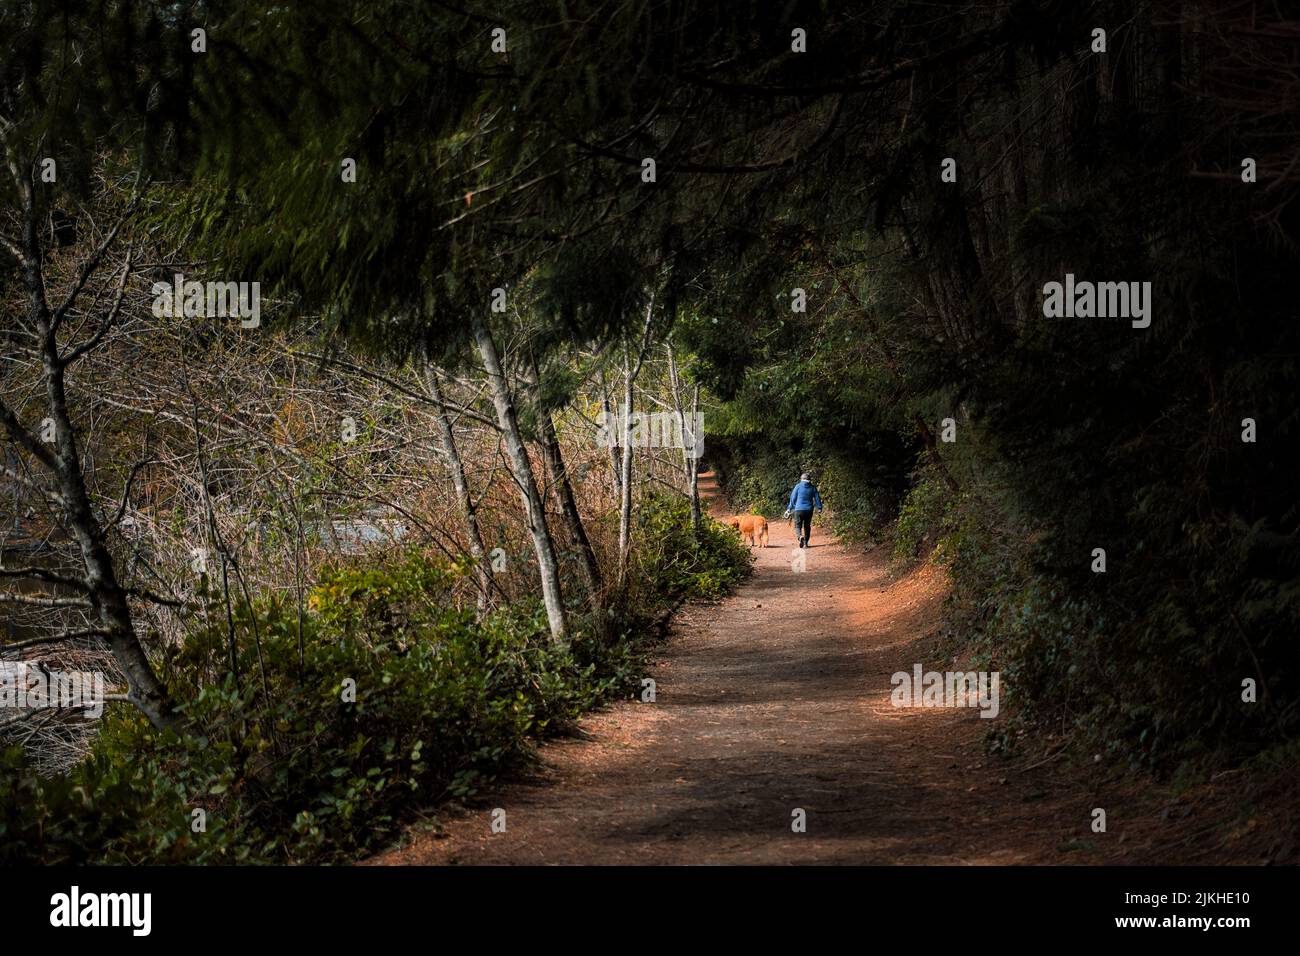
(778, 698)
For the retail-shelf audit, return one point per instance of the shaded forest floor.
(778, 698)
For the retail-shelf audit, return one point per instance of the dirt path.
(778, 699)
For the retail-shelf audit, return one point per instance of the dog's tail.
(763, 534)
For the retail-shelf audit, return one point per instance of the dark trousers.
(803, 526)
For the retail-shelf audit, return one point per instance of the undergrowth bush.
(1135, 667)
(674, 563)
(860, 506)
(758, 487)
(923, 515)
(317, 741)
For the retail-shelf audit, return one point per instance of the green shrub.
(860, 507)
(675, 563)
(760, 488)
(287, 768)
(923, 515)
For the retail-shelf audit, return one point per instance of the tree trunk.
(625, 476)
(105, 592)
(1018, 186)
(615, 449)
(690, 460)
(693, 463)
(508, 422)
(630, 372)
(559, 475)
(451, 454)
(675, 382)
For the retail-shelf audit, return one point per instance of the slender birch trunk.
(625, 474)
(690, 461)
(674, 382)
(693, 462)
(630, 372)
(508, 422)
(553, 456)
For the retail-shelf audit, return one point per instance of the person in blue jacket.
(803, 499)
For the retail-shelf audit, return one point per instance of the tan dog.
(751, 527)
